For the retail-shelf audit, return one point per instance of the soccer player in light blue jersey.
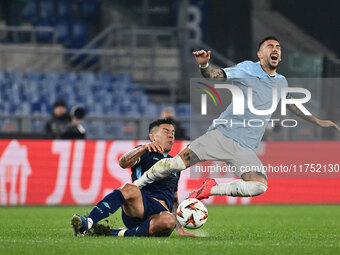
(235, 145)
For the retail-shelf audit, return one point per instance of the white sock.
(89, 223)
(160, 170)
(239, 188)
(122, 232)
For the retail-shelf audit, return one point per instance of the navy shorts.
(151, 207)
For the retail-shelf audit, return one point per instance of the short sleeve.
(237, 71)
(136, 163)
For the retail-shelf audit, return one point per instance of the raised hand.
(154, 147)
(202, 57)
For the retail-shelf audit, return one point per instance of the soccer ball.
(192, 213)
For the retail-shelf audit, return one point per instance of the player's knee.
(129, 191)
(163, 224)
(256, 188)
(168, 221)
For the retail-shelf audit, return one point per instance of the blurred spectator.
(169, 113)
(12, 13)
(65, 125)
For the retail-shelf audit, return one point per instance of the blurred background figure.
(169, 113)
(65, 125)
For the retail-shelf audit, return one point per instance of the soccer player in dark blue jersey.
(146, 211)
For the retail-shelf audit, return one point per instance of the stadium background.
(125, 61)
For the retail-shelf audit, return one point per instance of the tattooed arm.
(175, 205)
(322, 123)
(212, 73)
(202, 58)
(131, 157)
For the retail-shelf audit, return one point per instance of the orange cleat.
(204, 191)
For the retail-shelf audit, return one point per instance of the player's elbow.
(123, 163)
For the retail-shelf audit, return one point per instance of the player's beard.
(271, 67)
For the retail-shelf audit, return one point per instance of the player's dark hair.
(266, 39)
(159, 122)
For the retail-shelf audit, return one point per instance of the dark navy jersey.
(163, 189)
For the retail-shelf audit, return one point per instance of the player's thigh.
(133, 205)
(213, 145)
(246, 165)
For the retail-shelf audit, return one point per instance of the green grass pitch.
(266, 229)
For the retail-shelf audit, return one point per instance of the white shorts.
(213, 145)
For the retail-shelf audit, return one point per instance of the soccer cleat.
(204, 191)
(79, 225)
(102, 230)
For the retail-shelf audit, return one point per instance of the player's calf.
(239, 188)
(255, 176)
(103, 209)
(255, 183)
(252, 184)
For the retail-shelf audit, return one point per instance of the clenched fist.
(202, 56)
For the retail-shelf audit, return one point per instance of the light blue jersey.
(241, 128)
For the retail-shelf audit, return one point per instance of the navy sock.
(107, 206)
(142, 230)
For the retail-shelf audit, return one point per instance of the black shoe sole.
(77, 225)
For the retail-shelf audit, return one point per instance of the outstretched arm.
(131, 157)
(311, 118)
(202, 58)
